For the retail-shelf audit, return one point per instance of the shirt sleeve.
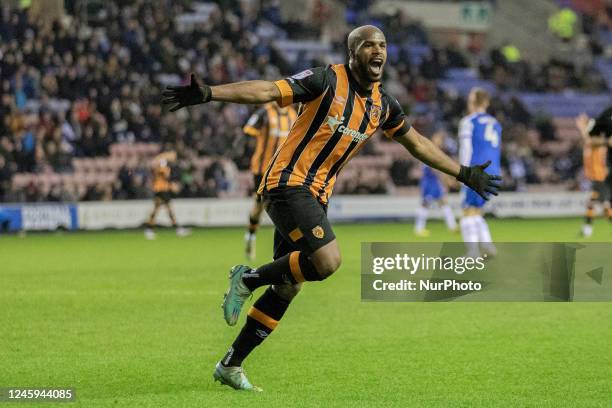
(255, 123)
(395, 124)
(304, 86)
(465, 141)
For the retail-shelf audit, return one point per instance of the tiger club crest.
(318, 232)
(375, 113)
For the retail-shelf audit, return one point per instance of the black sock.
(590, 213)
(253, 225)
(292, 268)
(262, 319)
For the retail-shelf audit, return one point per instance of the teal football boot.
(236, 294)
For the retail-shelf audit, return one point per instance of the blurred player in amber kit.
(164, 187)
(479, 141)
(596, 139)
(270, 126)
(433, 192)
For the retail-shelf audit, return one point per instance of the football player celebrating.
(343, 106)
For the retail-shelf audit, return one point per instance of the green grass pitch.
(133, 323)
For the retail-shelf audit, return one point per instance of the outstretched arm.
(248, 92)
(251, 92)
(303, 87)
(426, 151)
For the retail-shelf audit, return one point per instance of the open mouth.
(375, 66)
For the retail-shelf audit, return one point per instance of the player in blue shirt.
(479, 142)
(433, 192)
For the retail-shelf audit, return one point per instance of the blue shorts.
(431, 191)
(471, 198)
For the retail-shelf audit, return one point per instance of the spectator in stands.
(5, 178)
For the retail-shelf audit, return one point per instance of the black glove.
(479, 180)
(181, 96)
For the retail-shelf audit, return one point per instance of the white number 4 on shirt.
(491, 135)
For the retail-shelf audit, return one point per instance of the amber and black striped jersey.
(594, 160)
(336, 119)
(161, 177)
(270, 126)
(602, 125)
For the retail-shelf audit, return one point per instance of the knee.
(287, 292)
(328, 265)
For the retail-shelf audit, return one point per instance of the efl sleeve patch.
(302, 74)
(305, 86)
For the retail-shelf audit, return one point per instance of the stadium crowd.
(71, 88)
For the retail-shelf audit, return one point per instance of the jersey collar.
(355, 85)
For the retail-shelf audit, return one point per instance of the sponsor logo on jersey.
(333, 122)
(338, 123)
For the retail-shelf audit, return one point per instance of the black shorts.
(600, 191)
(256, 182)
(300, 220)
(163, 196)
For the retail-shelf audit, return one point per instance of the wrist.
(463, 173)
(206, 93)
